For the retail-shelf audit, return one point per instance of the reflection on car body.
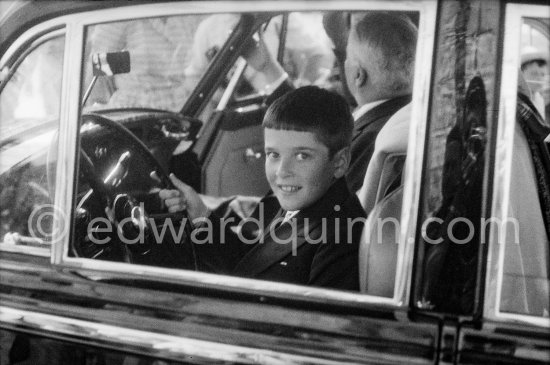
(460, 275)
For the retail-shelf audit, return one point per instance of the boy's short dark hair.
(312, 109)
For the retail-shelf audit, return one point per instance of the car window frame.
(514, 15)
(25, 44)
(68, 137)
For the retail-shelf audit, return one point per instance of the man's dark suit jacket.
(365, 130)
(313, 249)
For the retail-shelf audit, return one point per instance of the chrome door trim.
(151, 343)
(415, 153)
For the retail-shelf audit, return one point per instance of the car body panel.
(63, 304)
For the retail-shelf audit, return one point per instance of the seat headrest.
(392, 140)
(394, 136)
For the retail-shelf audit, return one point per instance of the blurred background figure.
(337, 24)
(307, 57)
(159, 53)
(536, 71)
(169, 55)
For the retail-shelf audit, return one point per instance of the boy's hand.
(183, 198)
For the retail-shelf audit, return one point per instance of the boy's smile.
(298, 167)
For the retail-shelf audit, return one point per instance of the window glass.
(450, 232)
(526, 260)
(119, 214)
(29, 107)
(167, 57)
(305, 53)
(308, 56)
(534, 63)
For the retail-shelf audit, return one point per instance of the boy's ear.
(341, 161)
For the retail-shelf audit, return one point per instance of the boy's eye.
(271, 155)
(302, 156)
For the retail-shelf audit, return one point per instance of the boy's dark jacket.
(331, 263)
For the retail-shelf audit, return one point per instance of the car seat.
(381, 196)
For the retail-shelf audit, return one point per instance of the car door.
(129, 311)
(483, 256)
(515, 326)
(30, 107)
(394, 336)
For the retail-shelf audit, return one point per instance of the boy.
(307, 135)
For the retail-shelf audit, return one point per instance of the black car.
(101, 100)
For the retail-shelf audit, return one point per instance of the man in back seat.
(379, 73)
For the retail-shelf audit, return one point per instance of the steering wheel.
(119, 215)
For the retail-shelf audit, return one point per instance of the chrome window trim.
(212, 7)
(503, 163)
(415, 153)
(27, 250)
(68, 136)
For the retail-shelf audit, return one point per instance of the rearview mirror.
(110, 63)
(107, 64)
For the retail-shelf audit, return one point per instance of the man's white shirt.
(363, 109)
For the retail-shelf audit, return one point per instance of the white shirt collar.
(289, 214)
(363, 109)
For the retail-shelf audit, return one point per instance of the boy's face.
(298, 167)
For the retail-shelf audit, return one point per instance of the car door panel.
(235, 161)
(502, 344)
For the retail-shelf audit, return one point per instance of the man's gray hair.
(392, 41)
